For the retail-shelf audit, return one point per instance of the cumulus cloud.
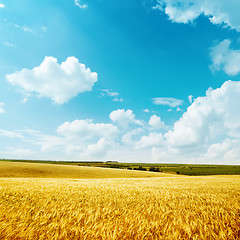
(208, 132)
(76, 139)
(98, 149)
(152, 140)
(124, 118)
(131, 136)
(225, 58)
(156, 122)
(90, 140)
(60, 82)
(2, 5)
(171, 102)
(228, 149)
(221, 12)
(80, 4)
(86, 129)
(208, 119)
(2, 110)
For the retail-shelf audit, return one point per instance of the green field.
(182, 169)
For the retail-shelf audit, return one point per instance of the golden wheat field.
(120, 208)
(40, 170)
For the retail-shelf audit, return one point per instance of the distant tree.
(140, 168)
(154, 169)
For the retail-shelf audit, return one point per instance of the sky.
(132, 81)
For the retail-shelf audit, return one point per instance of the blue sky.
(133, 81)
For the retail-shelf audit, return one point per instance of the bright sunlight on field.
(144, 208)
(39, 170)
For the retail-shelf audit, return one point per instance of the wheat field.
(41, 170)
(124, 208)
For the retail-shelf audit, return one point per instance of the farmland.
(41, 170)
(51, 201)
(182, 169)
(150, 208)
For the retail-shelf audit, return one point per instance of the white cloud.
(80, 4)
(208, 132)
(218, 11)
(223, 152)
(10, 134)
(2, 5)
(152, 140)
(44, 29)
(78, 139)
(50, 143)
(24, 28)
(131, 136)
(190, 98)
(2, 110)
(124, 118)
(27, 29)
(7, 44)
(24, 100)
(171, 102)
(110, 93)
(86, 129)
(208, 119)
(45, 141)
(118, 100)
(155, 122)
(60, 82)
(98, 149)
(149, 111)
(73, 140)
(224, 58)
(17, 153)
(86, 139)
